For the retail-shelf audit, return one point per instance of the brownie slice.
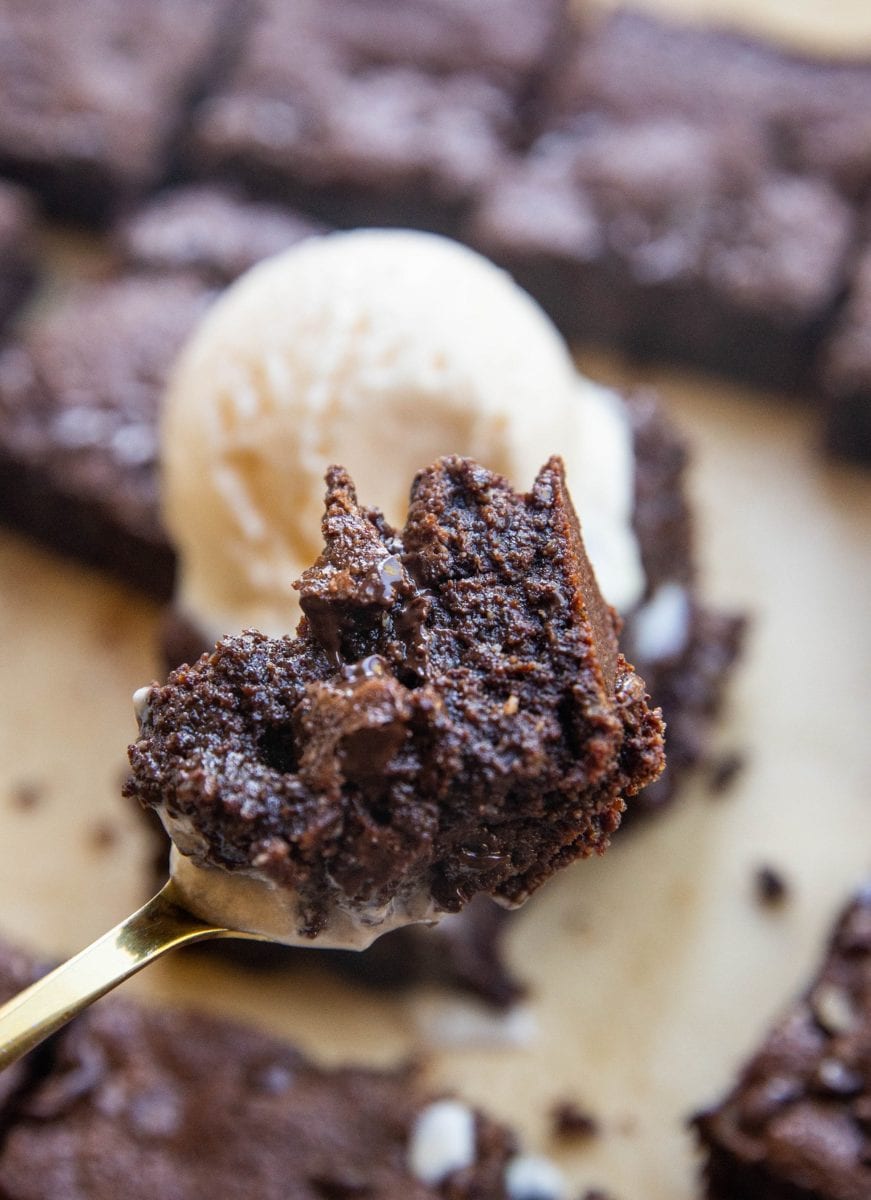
(80, 390)
(142, 1103)
(369, 113)
(17, 250)
(673, 238)
(813, 113)
(846, 372)
(797, 1124)
(454, 716)
(214, 232)
(93, 94)
(78, 409)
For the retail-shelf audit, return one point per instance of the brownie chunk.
(371, 113)
(214, 232)
(796, 1125)
(846, 372)
(17, 250)
(453, 718)
(78, 410)
(813, 114)
(143, 1103)
(673, 238)
(93, 93)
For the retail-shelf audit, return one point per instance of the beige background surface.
(654, 971)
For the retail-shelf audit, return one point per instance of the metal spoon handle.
(160, 925)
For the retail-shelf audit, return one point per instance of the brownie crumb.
(771, 887)
(724, 771)
(26, 795)
(103, 835)
(570, 1122)
(597, 1194)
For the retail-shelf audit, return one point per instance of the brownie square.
(797, 1124)
(214, 232)
(846, 372)
(672, 238)
(367, 112)
(143, 1103)
(17, 250)
(92, 94)
(813, 113)
(80, 391)
(79, 398)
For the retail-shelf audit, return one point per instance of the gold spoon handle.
(160, 925)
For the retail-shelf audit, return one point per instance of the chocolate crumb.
(771, 887)
(103, 835)
(596, 1194)
(26, 795)
(571, 1122)
(724, 771)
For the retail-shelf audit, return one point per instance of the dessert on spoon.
(453, 717)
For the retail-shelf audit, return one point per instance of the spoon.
(191, 907)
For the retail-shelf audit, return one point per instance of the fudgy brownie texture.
(144, 1103)
(454, 716)
(797, 1125)
(373, 113)
(214, 232)
(93, 93)
(813, 114)
(17, 249)
(673, 238)
(78, 423)
(846, 372)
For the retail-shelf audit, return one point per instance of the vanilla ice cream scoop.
(381, 350)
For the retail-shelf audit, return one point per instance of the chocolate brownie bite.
(79, 398)
(94, 93)
(214, 232)
(453, 718)
(672, 238)
(368, 113)
(846, 372)
(796, 1125)
(144, 1103)
(17, 250)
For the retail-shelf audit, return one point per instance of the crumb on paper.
(724, 771)
(103, 835)
(26, 794)
(771, 887)
(571, 1122)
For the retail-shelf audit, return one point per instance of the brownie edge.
(797, 1124)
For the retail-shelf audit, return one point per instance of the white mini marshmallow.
(442, 1141)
